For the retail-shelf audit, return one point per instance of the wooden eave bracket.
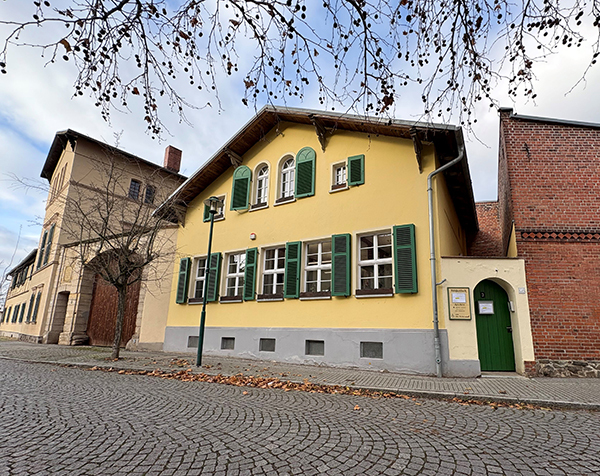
(72, 142)
(418, 145)
(236, 160)
(320, 130)
(177, 211)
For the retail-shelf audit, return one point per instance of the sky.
(36, 101)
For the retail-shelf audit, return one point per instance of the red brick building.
(549, 214)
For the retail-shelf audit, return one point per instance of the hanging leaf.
(66, 44)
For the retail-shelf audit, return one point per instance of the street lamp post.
(213, 204)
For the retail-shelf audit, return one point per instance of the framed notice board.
(459, 303)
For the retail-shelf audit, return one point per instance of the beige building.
(53, 298)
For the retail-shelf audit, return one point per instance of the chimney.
(172, 159)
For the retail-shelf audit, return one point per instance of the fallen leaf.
(356, 407)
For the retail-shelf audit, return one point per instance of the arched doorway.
(494, 328)
(103, 313)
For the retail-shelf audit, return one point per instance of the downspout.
(434, 283)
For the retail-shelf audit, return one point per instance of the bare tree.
(360, 54)
(5, 267)
(111, 231)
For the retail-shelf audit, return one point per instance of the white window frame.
(319, 267)
(376, 261)
(265, 203)
(287, 175)
(279, 253)
(334, 176)
(197, 280)
(237, 275)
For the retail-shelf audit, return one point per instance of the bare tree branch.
(360, 54)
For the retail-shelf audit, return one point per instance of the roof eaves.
(552, 120)
(30, 258)
(60, 141)
(299, 112)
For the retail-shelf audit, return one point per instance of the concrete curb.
(427, 394)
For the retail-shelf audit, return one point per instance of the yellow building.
(52, 297)
(321, 250)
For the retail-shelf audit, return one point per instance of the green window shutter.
(340, 269)
(206, 216)
(305, 172)
(42, 248)
(405, 259)
(22, 313)
(184, 280)
(15, 313)
(356, 170)
(30, 310)
(6, 315)
(250, 274)
(49, 244)
(240, 191)
(37, 307)
(214, 272)
(292, 269)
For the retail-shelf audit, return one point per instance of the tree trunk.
(116, 348)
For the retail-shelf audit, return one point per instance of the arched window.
(287, 179)
(262, 185)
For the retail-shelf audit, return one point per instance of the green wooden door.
(494, 331)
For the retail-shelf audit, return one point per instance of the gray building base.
(403, 350)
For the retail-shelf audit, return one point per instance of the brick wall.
(564, 298)
(488, 241)
(552, 181)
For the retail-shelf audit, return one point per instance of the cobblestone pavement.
(57, 420)
(562, 392)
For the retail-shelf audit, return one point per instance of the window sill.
(368, 293)
(258, 206)
(315, 296)
(282, 201)
(269, 297)
(338, 188)
(195, 301)
(228, 299)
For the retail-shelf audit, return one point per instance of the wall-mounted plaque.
(459, 303)
(486, 307)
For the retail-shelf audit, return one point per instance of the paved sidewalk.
(509, 388)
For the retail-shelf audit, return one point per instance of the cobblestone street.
(58, 420)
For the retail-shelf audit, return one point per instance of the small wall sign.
(486, 307)
(459, 303)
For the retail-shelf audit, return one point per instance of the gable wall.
(394, 193)
(488, 241)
